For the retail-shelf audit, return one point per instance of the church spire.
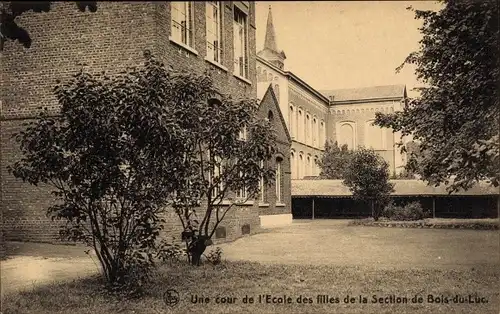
(270, 41)
(270, 51)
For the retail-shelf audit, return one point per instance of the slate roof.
(373, 92)
(335, 188)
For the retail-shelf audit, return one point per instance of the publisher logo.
(171, 297)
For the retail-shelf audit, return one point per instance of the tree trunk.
(196, 251)
(374, 211)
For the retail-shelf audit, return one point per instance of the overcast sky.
(345, 44)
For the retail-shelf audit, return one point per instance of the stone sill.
(182, 45)
(241, 78)
(217, 64)
(280, 205)
(230, 202)
(263, 204)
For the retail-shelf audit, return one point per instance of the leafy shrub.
(409, 212)
(215, 256)
(171, 253)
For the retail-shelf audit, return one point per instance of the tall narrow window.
(240, 43)
(314, 132)
(300, 172)
(243, 134)
(299, 130)
(215, 174)
(292, 165)
(214, 25)
(346, 135)
(278, 181)
(182, 22)
(306, 130)
(308, 166)
(290, 121)
(262, 186)
(322, 139)
(242, 193)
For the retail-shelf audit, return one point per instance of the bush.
(409, 212)
(215, 256)
(171, 253)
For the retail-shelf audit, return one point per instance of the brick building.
(313, 117)
(194, 36)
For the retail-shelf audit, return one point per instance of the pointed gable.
(270, 106)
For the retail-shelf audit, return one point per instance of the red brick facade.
(109, 40)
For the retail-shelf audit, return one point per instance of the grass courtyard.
(317, 263)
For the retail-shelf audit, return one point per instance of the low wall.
(271, 221)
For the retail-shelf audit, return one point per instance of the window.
(321, 134)
(240, 43)
(214, 173)
(262, 186)
(298, 123)
(277, 91)
(300, 168)
(214, 25)
(278, 181)
(290, 122)
(316, 167)
(182, 22)
(270, 116)
(242, 193)
(314, 131)
(308, 166)
(243, 134)
(306, 130)
(346, 135)
(292, 164)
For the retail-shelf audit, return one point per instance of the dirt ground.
(319, 242)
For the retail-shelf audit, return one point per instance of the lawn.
(235, 280)
(308, 259)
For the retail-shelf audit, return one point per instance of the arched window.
(346, 135)
(308, 166)
(277, 91)
(299, 121)
(279, 181)
(306, 130)
(300, 166)
(270, 116)
(314, 132)
(316, 167)
(322, 139)
(292, 164)
(263, 192)
(290, 121)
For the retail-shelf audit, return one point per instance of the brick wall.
(110, 40)
(359, 114)
(270, 206)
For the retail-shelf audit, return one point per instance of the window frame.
(237, 66)
(190, 38)
(219, 32)
(278, 181)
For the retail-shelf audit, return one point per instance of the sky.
(345, 44)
